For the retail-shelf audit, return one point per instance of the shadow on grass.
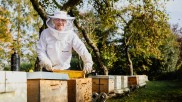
(155, 91)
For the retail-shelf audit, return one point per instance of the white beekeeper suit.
(54, 47)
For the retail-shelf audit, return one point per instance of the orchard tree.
(178, 31)
(5, 37)
(147, 35)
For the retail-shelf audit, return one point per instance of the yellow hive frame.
(72, 73)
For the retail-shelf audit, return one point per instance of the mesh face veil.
(68, 26)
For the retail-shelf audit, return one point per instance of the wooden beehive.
(141, 80)
(13, 86)
(133, 81)
(117, 81)
(124, 81)
(80, 90)
(121, 82)
(146, 78)
(40, 90)
(103, 83)
(117, 85)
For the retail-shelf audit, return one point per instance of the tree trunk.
(130, 64)
(126, 43)
(94, 48)
(40, 10)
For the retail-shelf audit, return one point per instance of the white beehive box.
(117, 82)
(146, 78)
(120, 84)
(124, 82)
(141, 80)
(13, 86)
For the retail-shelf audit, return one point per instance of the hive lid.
(46, 75)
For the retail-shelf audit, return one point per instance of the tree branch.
(70, 4)
(39, 9)
(56, 3)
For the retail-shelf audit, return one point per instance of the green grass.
(155, 91)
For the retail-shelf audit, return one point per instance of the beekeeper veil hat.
(61, 15)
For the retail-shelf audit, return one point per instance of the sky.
(174, 9)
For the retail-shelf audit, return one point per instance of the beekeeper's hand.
(58, 67)
(87, 68)
(46, 63)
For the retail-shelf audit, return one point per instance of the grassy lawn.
(155, 91)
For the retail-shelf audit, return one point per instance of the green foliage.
(166, 62)
(50, 5)
(26, 66)
(5, 37)
(100, 25)
(105, 30)
(170, 54)
(109, 55)
(23, 67)
(147, 36)
(146, 32)
(76, 62)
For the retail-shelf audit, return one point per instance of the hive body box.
(40, 90)
(142, 80)
(103, 83)
(80, 90)
(47, 87)
(124, 82)
(13, 86)
(120, 84)
(133, 81)
(137, 80)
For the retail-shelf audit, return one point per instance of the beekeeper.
(55, 45)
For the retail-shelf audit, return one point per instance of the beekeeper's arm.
(81, 49)
(41, 51)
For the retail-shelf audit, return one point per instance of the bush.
(26, 67)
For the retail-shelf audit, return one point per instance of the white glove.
(58, 67)
(87, 68)
(46, 63)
